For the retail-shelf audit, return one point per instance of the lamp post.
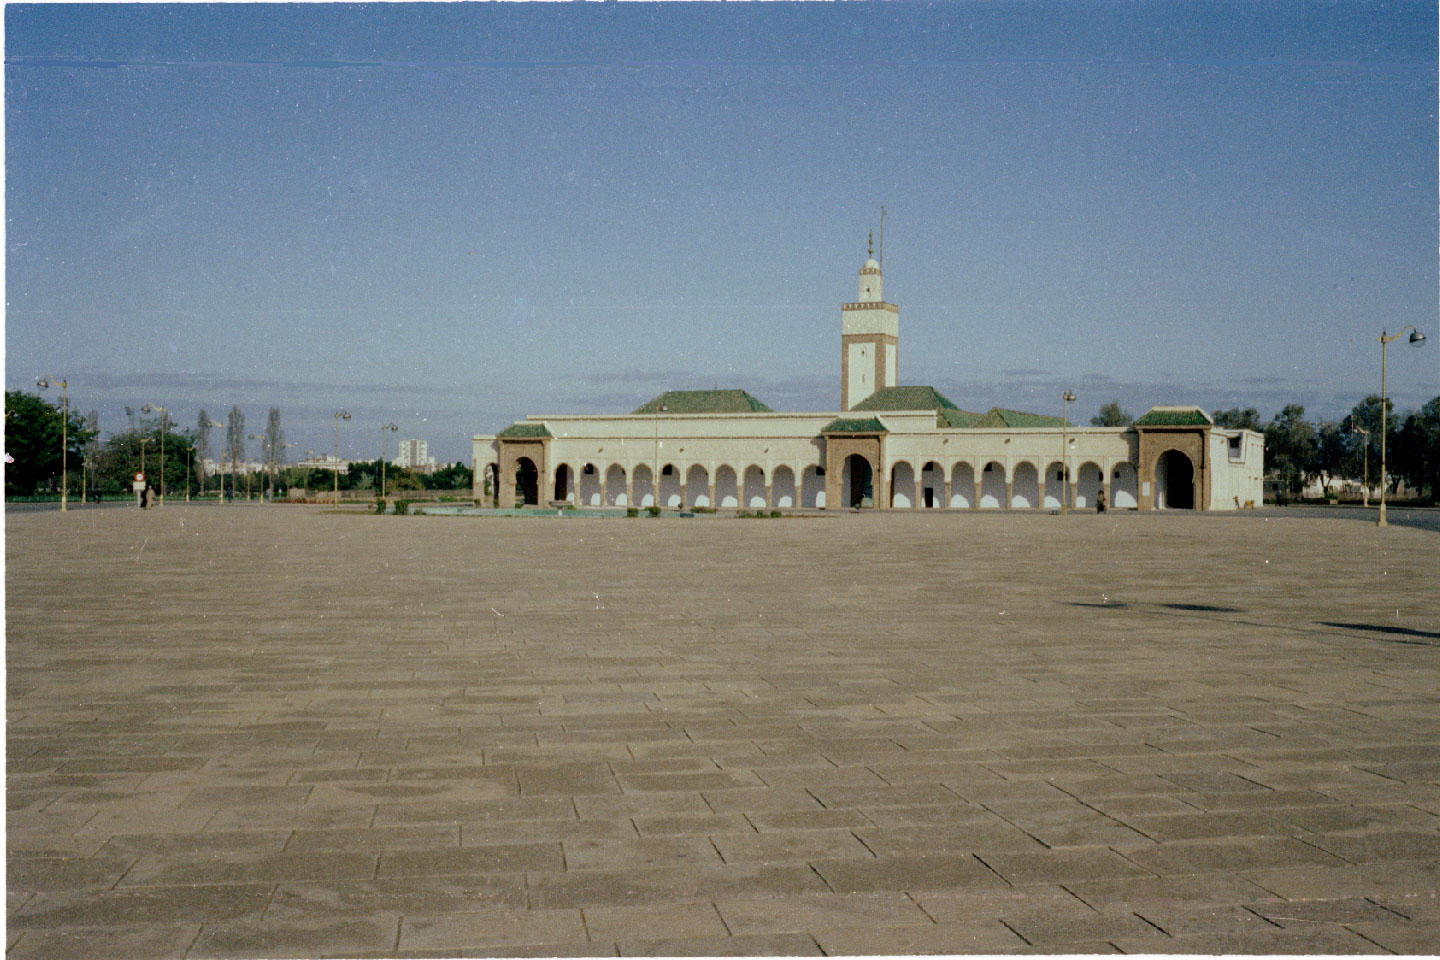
(164, 423)
(1067, 398)
(391, 427)
(339, 415)
(1365, 488)
(1416, 339)
(655, 480)
(44, 384)
(189, 456)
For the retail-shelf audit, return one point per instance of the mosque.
(888, 447)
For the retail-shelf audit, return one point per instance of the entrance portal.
(1174, 482)
(859, 482)
(527, 483)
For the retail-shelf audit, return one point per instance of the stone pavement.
(280, 731)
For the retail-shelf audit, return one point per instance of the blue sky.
(453, 215)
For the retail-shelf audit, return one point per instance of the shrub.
(402, 507)
(653, 511)
(631, 512)
(379, 505)
(774, 513)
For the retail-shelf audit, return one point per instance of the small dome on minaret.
(870, 281)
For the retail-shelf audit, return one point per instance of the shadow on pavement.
(1379, 628)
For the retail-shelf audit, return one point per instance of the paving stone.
(1422, 937)
(906, 874)
(483, 859)
(749, 945)
(129, 942)
(789, 846)
(490, 928)
(296, 902)
(664, 921)
(1186, 857)
(145, 905)
(943, 938)
(251, 938)
(1054, 866)
(586, 888)
(810, 912)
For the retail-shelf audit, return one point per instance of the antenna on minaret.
(881, 259)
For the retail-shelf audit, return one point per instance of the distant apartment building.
(325, 462)
(415, 455)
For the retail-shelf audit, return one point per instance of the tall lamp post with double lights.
(44, 384)
(1066, 399)
(391, 428)
(164, 423)
(339, 415)
(1365, 487)
(1416, 339)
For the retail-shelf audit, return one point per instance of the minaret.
(869, 339)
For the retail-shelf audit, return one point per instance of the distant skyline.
(451, 216)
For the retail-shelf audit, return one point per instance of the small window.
(667, 471)
(819, 471)
(589, 470)
(1237, 447)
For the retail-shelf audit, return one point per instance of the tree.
(1111, 415)
(33, 434)
(1237, 419)
(202, 442)
(454, 477)
(235, 441)
(1333, 452)
(1290, 447)
(1417, 449)
(123, 455)
(273, 444)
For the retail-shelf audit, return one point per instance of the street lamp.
(44, 384)
(1364, 490)
(391, 427)
(1068, 398)
(1416, 339)
(339, 415)
(164, 422)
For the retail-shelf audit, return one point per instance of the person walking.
(1100, 500)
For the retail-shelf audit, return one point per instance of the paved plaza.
(247, 730)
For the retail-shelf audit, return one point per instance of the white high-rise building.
(415, 455)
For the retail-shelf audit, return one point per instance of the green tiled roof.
(906, 398)
(1174, 417)
(958, 418)
(1000, 417)
(854, 425)
(524, 431)
(704, 401)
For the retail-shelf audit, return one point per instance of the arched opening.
(644, 486)
(490, 485)
(992, 487)
(962, 486)
(754, 494)
(527, 483)
(902, 486)
(1025, 489)
(589, 486)
(857, 484)
(932, 486)
(812, 487)
(670, 493)
(615, 495)
(1174, 482)
(727, 489)
(1088, 481)
(697, 487)
(564, 483)
(782, 487)
(1124, 487)
(1054, 487)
